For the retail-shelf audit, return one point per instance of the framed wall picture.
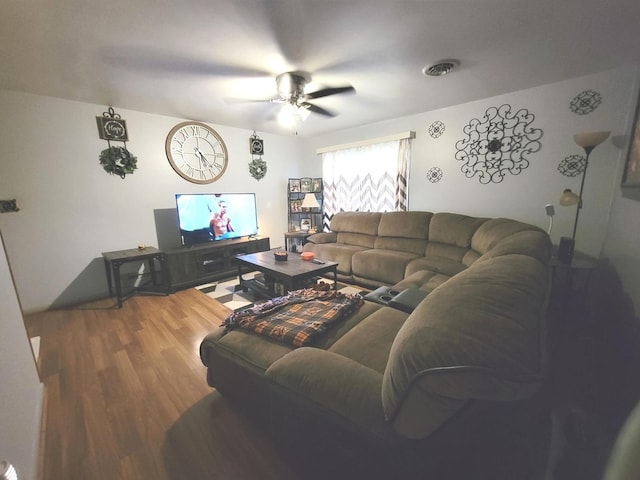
(112, 129)
(305, 185)
(294, 184)
(305, 224)
(631, 176)
(316, 185)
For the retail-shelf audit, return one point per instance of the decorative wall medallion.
(499, 143)
(258, 168)
(573, 165)
(434, 175)
(436, 129)
(585, 102)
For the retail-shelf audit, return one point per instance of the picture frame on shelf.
(294, 185)
(305, 185)
(316, 185)
(305, 224)
(295, 205)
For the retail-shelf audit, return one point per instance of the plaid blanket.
(297, 318)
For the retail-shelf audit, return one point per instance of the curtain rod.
(364, 143)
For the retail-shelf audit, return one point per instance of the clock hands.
(203, 159)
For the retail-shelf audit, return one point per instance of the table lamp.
(309, 202)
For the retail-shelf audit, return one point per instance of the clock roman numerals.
(196, 152)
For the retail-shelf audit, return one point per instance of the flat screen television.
(208, 217)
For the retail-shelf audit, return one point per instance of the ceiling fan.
(295, 101)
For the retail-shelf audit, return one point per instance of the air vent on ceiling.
(441, 68)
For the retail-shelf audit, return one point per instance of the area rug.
(224, 291)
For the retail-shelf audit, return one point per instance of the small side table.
(113, 261)
(572, 277)
(295, 238)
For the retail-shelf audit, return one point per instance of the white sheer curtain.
(371, 178)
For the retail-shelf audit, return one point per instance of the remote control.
(316, 260)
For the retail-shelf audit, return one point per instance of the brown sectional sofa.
(439, 382)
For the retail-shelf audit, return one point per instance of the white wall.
(21, 391)
(622, 245)
(524, 196)
(71, 210)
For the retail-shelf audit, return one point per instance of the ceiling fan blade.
(325, 92)
(233, 100)
(150, 60)
(315, 109)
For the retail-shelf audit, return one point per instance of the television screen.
(206, 217)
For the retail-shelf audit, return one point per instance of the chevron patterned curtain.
(372, 178)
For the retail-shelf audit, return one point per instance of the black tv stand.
(207, 262)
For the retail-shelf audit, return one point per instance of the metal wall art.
(434, 175)
(7, 206)
(257, 166)
(585, 102)
(436, 129)
(572, 166)
(115, 160)
(497, 144)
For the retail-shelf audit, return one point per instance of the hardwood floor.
(126, 396)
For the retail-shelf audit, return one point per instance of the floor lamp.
(588, 141)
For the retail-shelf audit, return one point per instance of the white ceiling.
(187, 58)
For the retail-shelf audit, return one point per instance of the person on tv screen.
(220, 223)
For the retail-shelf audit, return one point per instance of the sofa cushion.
(426, 280)
(436, 264)
(454, 229)
(477, 336)
(377, 330)
(405, 225)
(534, 243)
(365, 223)
(323, 237)
(491, 232)
(339, 387)
(257, 352)
(385, 266)
(336, 252)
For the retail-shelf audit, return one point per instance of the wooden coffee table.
(292, 273)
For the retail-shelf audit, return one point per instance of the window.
(371, 177)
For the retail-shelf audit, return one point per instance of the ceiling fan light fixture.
(292, 84)
(441, 68)
(291, 114)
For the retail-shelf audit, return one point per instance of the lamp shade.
(569, 198)
(310, 201)
(590, 139)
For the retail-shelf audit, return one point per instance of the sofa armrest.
(323, 237)
(334, 383)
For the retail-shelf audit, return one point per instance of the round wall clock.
(196, 152)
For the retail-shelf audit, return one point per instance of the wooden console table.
(114, 260)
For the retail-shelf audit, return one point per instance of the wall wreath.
(118, 161)
(497, 144)
(258, 168)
